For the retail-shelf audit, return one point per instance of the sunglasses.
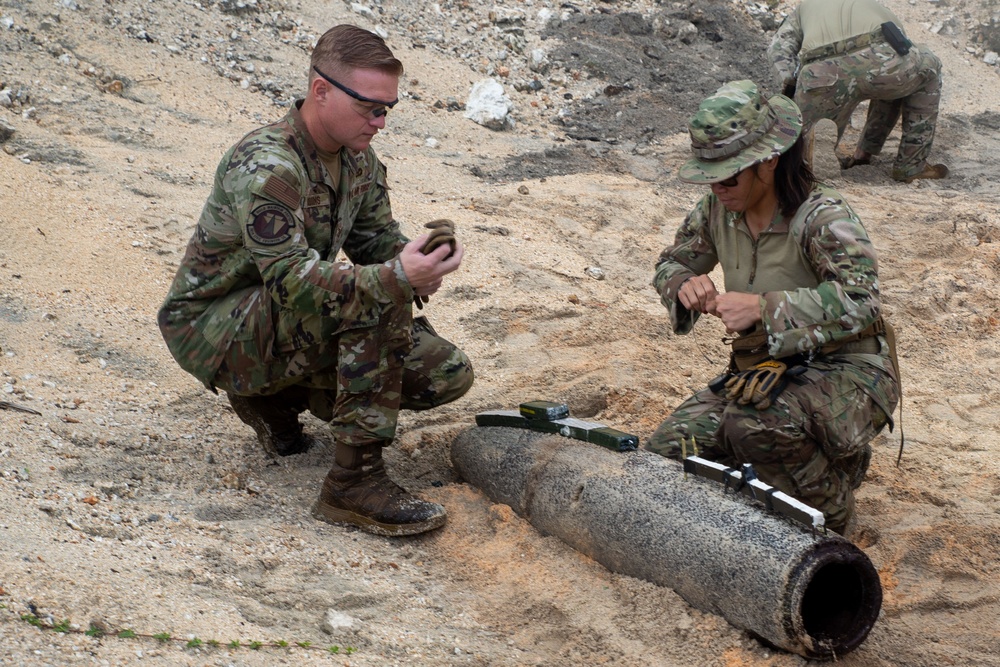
(380, 110)
(730, 182)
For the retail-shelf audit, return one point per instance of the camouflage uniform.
(836, 56)
(261, 301)
(816, 275)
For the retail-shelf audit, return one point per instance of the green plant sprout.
(66, 627)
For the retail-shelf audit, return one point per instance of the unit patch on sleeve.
(270, 224)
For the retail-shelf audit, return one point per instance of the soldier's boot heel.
(824, 161)
(275, 420)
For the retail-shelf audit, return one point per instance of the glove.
(442, 231)
(759, 384)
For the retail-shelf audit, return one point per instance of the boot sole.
(935, 172)
(336, 516)
(825, 163)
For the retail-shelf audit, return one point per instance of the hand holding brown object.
(442, 231)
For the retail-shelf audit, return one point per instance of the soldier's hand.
(425, 273)
(698, 293)
(738, 310)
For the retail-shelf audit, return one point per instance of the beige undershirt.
(332, 163)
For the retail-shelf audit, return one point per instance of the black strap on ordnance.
(570, 427)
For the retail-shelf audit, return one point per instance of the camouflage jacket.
(817, 23)
(271, 230)
(816, 272)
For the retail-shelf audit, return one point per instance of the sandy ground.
(136, 500)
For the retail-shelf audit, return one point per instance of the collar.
(348, 158)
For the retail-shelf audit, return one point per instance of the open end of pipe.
(841, 603)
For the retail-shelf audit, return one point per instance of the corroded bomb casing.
(638, 514)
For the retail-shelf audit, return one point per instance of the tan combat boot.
(929, 171)
(275, 419)
(358, 491)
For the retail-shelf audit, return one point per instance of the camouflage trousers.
(907, 86)
(812, 443)
(357, 379)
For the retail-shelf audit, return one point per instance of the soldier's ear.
(769, 165)
(319, 88)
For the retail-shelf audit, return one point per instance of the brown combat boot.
(358, 491)
(929, 171)
(275, 419)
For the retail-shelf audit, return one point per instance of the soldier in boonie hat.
(812, 377)
(736, 128)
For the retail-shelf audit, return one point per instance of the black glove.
(760, 384)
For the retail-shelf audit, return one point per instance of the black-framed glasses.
(380, 110)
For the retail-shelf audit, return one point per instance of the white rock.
(489, 106)
(365, 11)
(337, 620)
(538, 61)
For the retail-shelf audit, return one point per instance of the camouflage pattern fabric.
(262, 263)
(262, 301)
(817, 272)
(806, 444)
(817, 277)
(735, 128)
(862, 68)
(359, 379)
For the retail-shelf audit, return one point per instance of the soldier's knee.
(663, 446)
(426, 387)
(460, 381)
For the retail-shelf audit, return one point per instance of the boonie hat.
(736, 128)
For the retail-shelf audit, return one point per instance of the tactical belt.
(751, 349)
(848, 45)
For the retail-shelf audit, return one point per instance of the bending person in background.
(836, 53)
(810, 381)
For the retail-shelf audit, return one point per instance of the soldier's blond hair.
(345, 47)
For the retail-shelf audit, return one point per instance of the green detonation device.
(550, 417)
